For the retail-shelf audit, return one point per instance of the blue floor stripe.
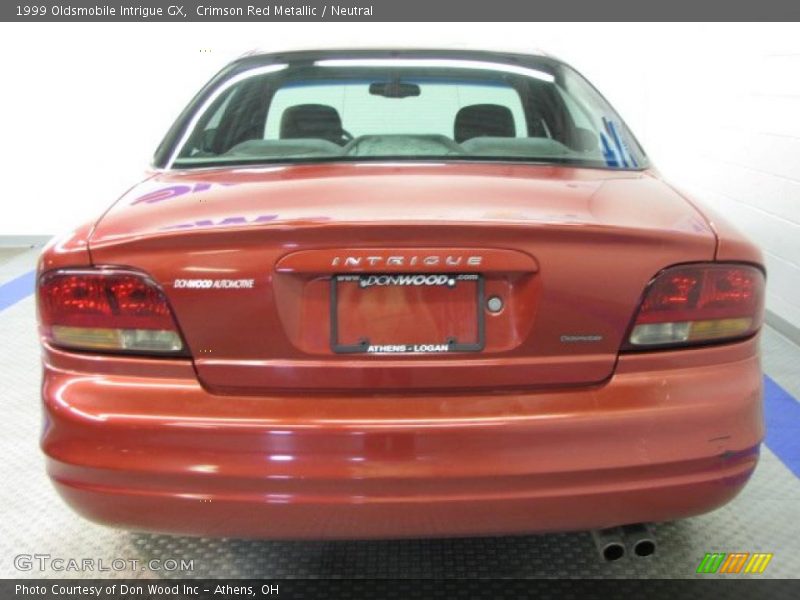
(17, 289)
(781, 409)
(782, 414)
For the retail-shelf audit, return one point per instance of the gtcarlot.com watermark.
(48, 563)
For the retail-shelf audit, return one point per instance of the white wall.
(717, 106)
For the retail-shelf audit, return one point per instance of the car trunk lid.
(303, 277)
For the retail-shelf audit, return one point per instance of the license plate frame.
(441, 347)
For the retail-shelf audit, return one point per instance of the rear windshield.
(403, 109)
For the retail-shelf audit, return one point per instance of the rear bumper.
(163, 454)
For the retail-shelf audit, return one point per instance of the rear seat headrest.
(483, 120)
(318, 121)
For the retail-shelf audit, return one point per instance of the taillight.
(107, 310)
(699, 304)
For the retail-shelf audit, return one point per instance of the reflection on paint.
(175, 191)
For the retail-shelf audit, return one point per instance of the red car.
(400, 293)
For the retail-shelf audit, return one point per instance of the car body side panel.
(69, 250)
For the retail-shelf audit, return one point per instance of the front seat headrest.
(483, 120)
(318, 121)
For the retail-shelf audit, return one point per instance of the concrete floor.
(762, 519)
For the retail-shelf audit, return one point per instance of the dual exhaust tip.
(613, 543)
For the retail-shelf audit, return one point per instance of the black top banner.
(399, 10)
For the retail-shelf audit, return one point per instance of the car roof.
(334, 48)
(257, 57)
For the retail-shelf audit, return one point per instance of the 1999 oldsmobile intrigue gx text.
(400, 293)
